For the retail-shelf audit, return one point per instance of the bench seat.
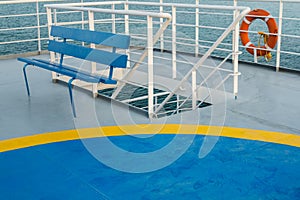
(68, 71)
(64, 47)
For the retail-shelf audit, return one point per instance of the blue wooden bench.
(64, 47)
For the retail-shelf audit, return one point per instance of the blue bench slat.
(94, 55)
(60, 70)
(70, 68)
(71, 72)
(96, 37)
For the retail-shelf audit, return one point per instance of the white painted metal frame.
(279, 35)
(174, 45)
(153, 109)
(234, 25)
(150, 38)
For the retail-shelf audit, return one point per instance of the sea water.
(289, 44)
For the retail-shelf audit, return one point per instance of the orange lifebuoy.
(272, 26)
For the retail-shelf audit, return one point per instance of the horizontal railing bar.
(185, 62)
(291, 18)
(271, 17)
(216, 13)
(110, 11)
(284, 1)
(201, 12)
(256, 32)
(275, 17)
(216, 7)
(206, 27)
(258, 48)
(22, 28)
(221, 28)
(133, 12)
(68, 23)
(204, 13)
(18, 15)
(105, 3)
(66, 12)
(28, 40)
(141, 22)
(291, 36)
(289, 52)
(202, 46)
(220, 49)
(193, 40)
(35, 14)
(25, 1)
(84, 22)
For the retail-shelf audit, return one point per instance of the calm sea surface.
(290, 27)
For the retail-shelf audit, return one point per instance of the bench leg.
(25, 77)
(71, 95)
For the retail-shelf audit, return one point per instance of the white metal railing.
(281, 49)
(150, 19)
(239, 13)
(280, 17)
(37, 14)
(279, 10)
(151, 38)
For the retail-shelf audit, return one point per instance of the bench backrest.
(95, 55)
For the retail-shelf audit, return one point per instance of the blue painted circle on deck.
(234, 169)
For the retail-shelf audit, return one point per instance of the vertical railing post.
(236, 37)
(161, 20)
(82, 18)
(57, 57)
(177, 103)
(93, 64)
(150, 65)
(38, 27)
(194, 89)
(255, 55)
(82, 21)
(197, 29)
(233, 32)
(55, 16)
(91, 20)
(49, 24)
(52, 54)
(126, 18)
(194, 74)
(113, 18)
(174, 49)
(279, 35)
(126, 24)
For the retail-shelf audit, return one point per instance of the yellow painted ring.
(109, 131)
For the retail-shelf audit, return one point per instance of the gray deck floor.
(267, 100)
